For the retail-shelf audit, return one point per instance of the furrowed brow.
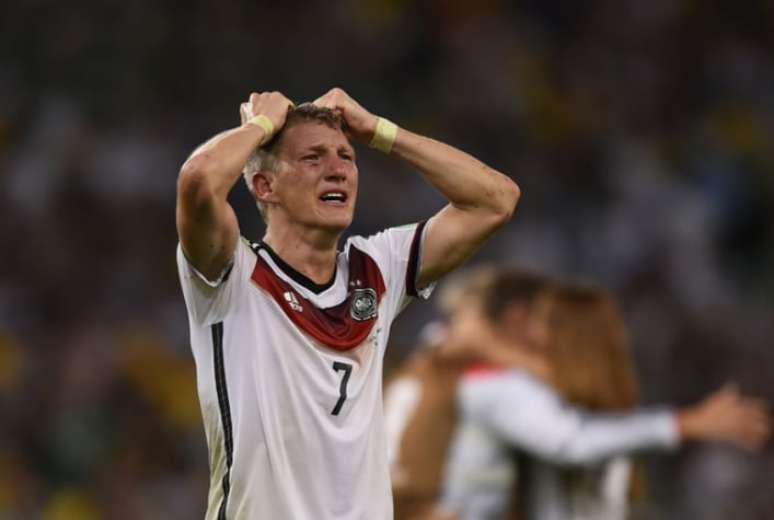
(323, 149)
(348, 150)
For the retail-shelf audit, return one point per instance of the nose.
(337, 169)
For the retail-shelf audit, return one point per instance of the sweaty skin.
(305, 230)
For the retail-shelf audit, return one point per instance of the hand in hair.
(273, 105)
(727, 416)
(360, 122)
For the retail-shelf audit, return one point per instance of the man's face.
(470, 331)
(524, 322)
(317, 185)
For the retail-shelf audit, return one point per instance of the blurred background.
(638, 130)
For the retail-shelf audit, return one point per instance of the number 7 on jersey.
(338, 366)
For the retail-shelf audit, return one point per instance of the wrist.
(688, 424)
(385, 133)
(265, 124)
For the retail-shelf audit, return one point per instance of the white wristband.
(384, 135)
(266, 124)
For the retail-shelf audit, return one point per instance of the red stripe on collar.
(342, 327)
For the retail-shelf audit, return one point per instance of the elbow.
(194, 181)
(509, 199)
(514, 195)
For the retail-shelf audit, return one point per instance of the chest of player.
(322, 360)
(288, 378)
(343, 318)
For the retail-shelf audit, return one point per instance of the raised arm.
(206, 223)
(480, 201)
(480, 198)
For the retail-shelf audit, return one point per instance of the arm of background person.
(532, 417)
(480, 199)
(727, 416)
(401, 398)
(206, 224)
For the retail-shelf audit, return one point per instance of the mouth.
(334, 198)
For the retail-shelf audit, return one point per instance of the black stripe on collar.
(297, 276)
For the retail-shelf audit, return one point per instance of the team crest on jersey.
(364, 304)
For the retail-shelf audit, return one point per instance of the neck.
(311, 252)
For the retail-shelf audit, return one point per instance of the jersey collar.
(295, 275)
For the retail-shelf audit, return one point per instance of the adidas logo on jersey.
(293, 301)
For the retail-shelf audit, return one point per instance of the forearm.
(590, 440)
(216, 165)
(530, 416)
(206, 223)
(602, 437)
(469, 184)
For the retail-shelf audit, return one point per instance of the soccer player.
(420, 417)
(420, 401)
(289, 334)
(574, 435)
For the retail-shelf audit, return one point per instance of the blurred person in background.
(420, 400)
(573, 437)
(665, 195)
(289, 334)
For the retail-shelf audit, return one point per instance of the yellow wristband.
(266, 124)
(384, 135)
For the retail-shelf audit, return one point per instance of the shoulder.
(383, 241)
(210, 300)
(245, 243)
(507, 385)
(396, 250)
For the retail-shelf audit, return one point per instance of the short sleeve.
(209, 301)
(398, 253)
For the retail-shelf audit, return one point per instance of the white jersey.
(290, 378)
(508, 409)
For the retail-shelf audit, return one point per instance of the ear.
(263, 186)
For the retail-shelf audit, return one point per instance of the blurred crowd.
(638, 131)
